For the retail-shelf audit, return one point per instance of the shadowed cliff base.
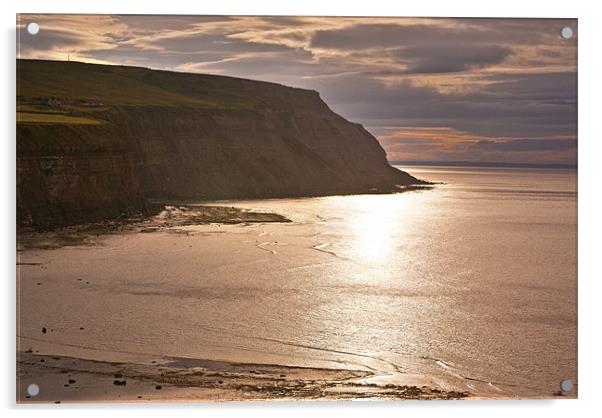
(96, 142)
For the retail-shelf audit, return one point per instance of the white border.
(590, 210)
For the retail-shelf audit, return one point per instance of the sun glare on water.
(378, 225)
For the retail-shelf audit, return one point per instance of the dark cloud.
(458, 32)
(550, 88)
(443, 58)
(521, 145)
(167, 22)
(286, 21)
(368, 36)
(46, 39)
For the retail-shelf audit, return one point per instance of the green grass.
(54, 119)
(108, 85)
(114, 85)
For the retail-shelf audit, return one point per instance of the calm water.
(472, 284)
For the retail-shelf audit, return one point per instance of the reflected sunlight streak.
(377, 227)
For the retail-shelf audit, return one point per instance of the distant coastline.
(485, 164)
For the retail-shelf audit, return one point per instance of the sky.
(481, 90)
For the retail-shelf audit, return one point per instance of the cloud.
(392, 33)
(383, 35)
(500, 108)
(522, 145)
(443, 58)
(446, 144)
(200, 43)
(150, 23)
(51, 39)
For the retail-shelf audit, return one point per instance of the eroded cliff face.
(68, 175)
(95, 142)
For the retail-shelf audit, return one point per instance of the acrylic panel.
(269, 208)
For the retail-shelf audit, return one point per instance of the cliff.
(95, 142)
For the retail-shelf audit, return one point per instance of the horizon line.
(485, 164)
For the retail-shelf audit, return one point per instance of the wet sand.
(132, 377)
(65, 379)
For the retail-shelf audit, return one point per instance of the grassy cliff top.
(98, 85)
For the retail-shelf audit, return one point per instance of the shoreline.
(156, 205)
(170, 379)
(165, 215)
(170, 217)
